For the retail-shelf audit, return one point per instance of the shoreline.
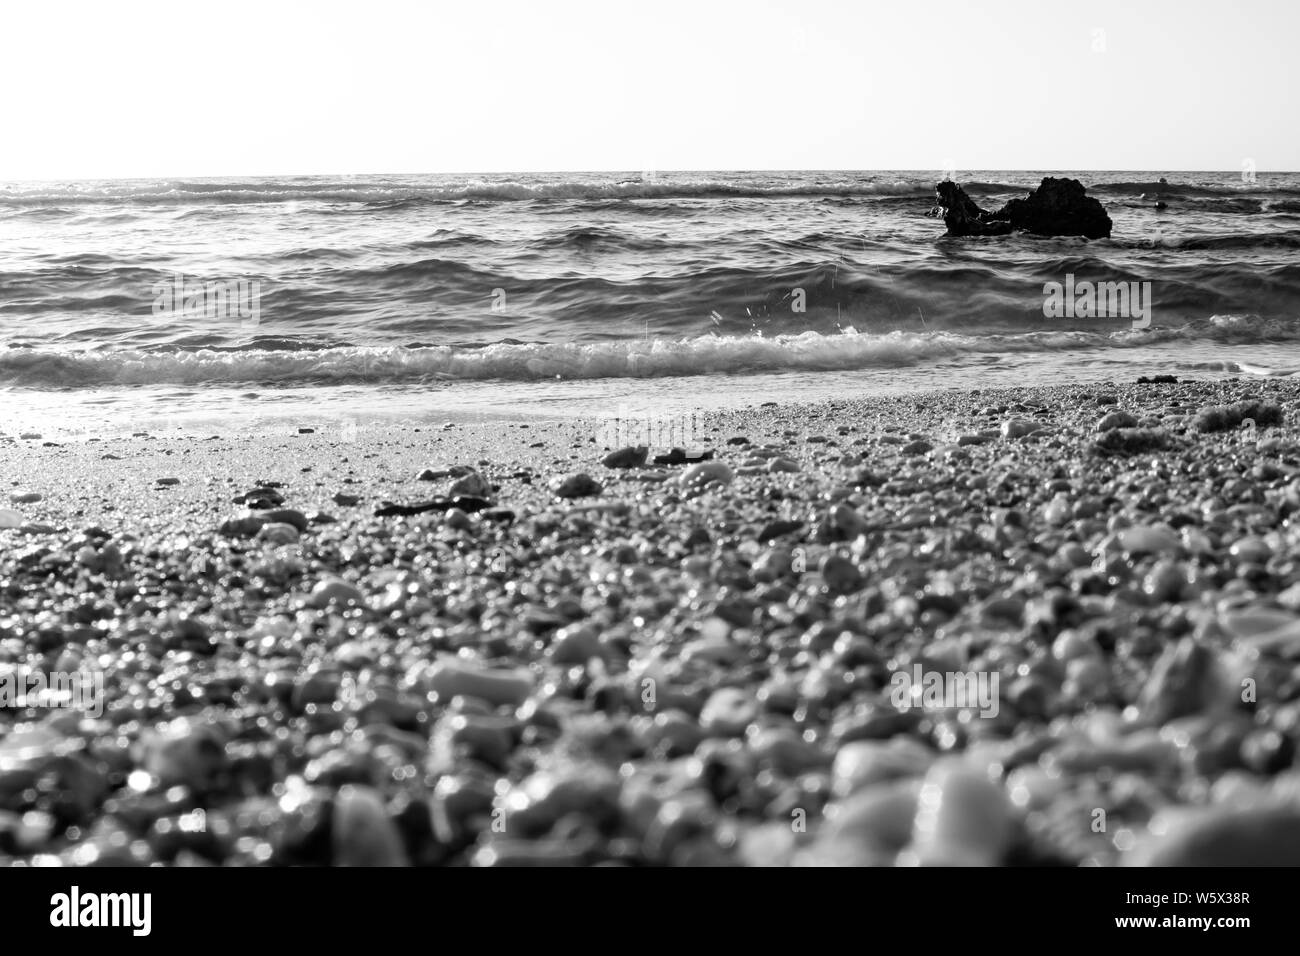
(670, 671)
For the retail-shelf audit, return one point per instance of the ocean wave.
(517, 361)
(378, 195)
(1162, 190)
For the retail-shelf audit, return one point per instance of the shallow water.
(422, 297)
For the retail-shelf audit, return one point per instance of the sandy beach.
(686, 663)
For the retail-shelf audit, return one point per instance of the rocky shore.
(509, 644)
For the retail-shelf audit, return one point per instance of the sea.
(329, 302)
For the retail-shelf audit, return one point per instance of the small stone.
(727, 712)
(276, 533)
(1220, 836)
(471, 484)
(457, 519)
(779, 465)
(1018, 428)
(576, 644)
(290, 516)
(1148, 539)
(345, 500)
(840, 574)
(1166, 580)
(778, 528)
(10, 518)
(242, 527)
(1116, 419)
(634, 456)
(1263, 629)
(167, 481)
(455, 679)
(863, 763)
(1188, 678)
(866, 829)
(1251, 550)
(785, 751)
(963, 818)
(919, 447)
(363, 833)
(334, 591)
(187, 751)
(25, 497)
(707, 473)
(580, 485)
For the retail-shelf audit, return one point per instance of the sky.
(234, 88)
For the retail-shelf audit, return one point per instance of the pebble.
(10, 518)
(1148, 539)
(289, 516)
(580, 485)
(186, 751)
(1252, 549)
(167, 481)
(1263, 628)
(1187, 678)
(963, 818)
(472, 484)
(727, 712)
(363, 834)
(777, 465)
(277, 533)
(576, 644)
(1220, 836)
(630, 457)
(707, 473)
(866, 829)
(840, 574)
(863, 763)
(25, 497)
(455, 679)
(1116, 419)
(783, 749)
(1018, 428)
(335, 592)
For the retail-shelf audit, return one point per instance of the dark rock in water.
(1058, 207)
(962, 216)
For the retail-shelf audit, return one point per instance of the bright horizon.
(144, 90)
